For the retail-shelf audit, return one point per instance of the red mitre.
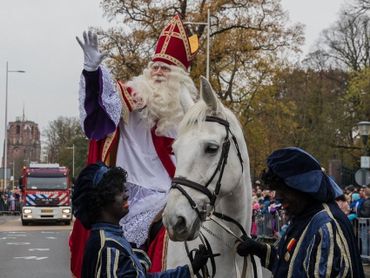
(173, 46)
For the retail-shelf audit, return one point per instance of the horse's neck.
(236, 205)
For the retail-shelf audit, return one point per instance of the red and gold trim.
(166, 238)
(173, 46)
(157, 251)
(110, 148)
(126, 100)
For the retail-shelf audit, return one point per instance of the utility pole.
(208, 25)
(73, 158)
(6, 123)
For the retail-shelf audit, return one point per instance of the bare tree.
(60, 135)
(360, 7)
(347, 43)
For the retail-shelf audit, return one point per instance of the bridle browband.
(179, 182)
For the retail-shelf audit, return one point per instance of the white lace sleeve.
(109, 98)
(82, 96)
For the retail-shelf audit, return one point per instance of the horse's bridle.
(179, 182)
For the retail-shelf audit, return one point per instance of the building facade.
(24, 145)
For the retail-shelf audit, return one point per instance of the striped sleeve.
(326, 255)
(117, 264)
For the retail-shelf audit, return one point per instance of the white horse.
(207, 128)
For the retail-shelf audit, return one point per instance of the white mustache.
(159, 78)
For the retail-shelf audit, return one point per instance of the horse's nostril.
(180, 224)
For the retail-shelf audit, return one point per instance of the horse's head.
(208, 138)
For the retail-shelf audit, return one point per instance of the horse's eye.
(211, 148)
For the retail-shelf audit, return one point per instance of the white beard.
(161, 101)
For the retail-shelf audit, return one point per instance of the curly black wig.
(95, 188)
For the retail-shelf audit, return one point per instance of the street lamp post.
(364, 130)
(362, 176)
(208, 25)
(73, 158)
(6, 122)
(13, 173)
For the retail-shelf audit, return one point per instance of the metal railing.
(362, 232)
(6, 208)
(268, 229)
(268, 226)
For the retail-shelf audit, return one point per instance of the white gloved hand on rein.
(92, 55)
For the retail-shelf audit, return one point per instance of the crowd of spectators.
(10, 202)
(269, 220)
(355, 202)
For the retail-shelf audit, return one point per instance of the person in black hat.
(100, 201)
(319, 241)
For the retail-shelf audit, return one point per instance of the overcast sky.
(38, 36)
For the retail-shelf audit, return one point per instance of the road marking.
(44, 232)
(39, 249)
(51, 237)
(16, 232)
(8, 237)
(18, 243)
(40, 258)
(31, 258)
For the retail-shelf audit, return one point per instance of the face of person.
(159, 72)
(293, 203)
(119, 207)
(344, 206)
(362, 193)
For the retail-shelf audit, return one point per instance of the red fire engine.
(46, 193)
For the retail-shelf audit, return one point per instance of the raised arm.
(100, 105)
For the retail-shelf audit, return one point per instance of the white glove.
(92, 55)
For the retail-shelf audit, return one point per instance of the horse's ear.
(207, 94)
(186, 100)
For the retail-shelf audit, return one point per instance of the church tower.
(23, 144)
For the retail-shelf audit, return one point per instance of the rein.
(180, 182)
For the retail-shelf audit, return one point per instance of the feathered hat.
(174, 47)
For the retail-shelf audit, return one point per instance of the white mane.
(195, 117)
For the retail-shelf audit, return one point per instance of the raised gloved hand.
(200, 258)
(251, 247)
(92, 55)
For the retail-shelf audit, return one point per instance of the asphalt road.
(39, 251)
(35, 251)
